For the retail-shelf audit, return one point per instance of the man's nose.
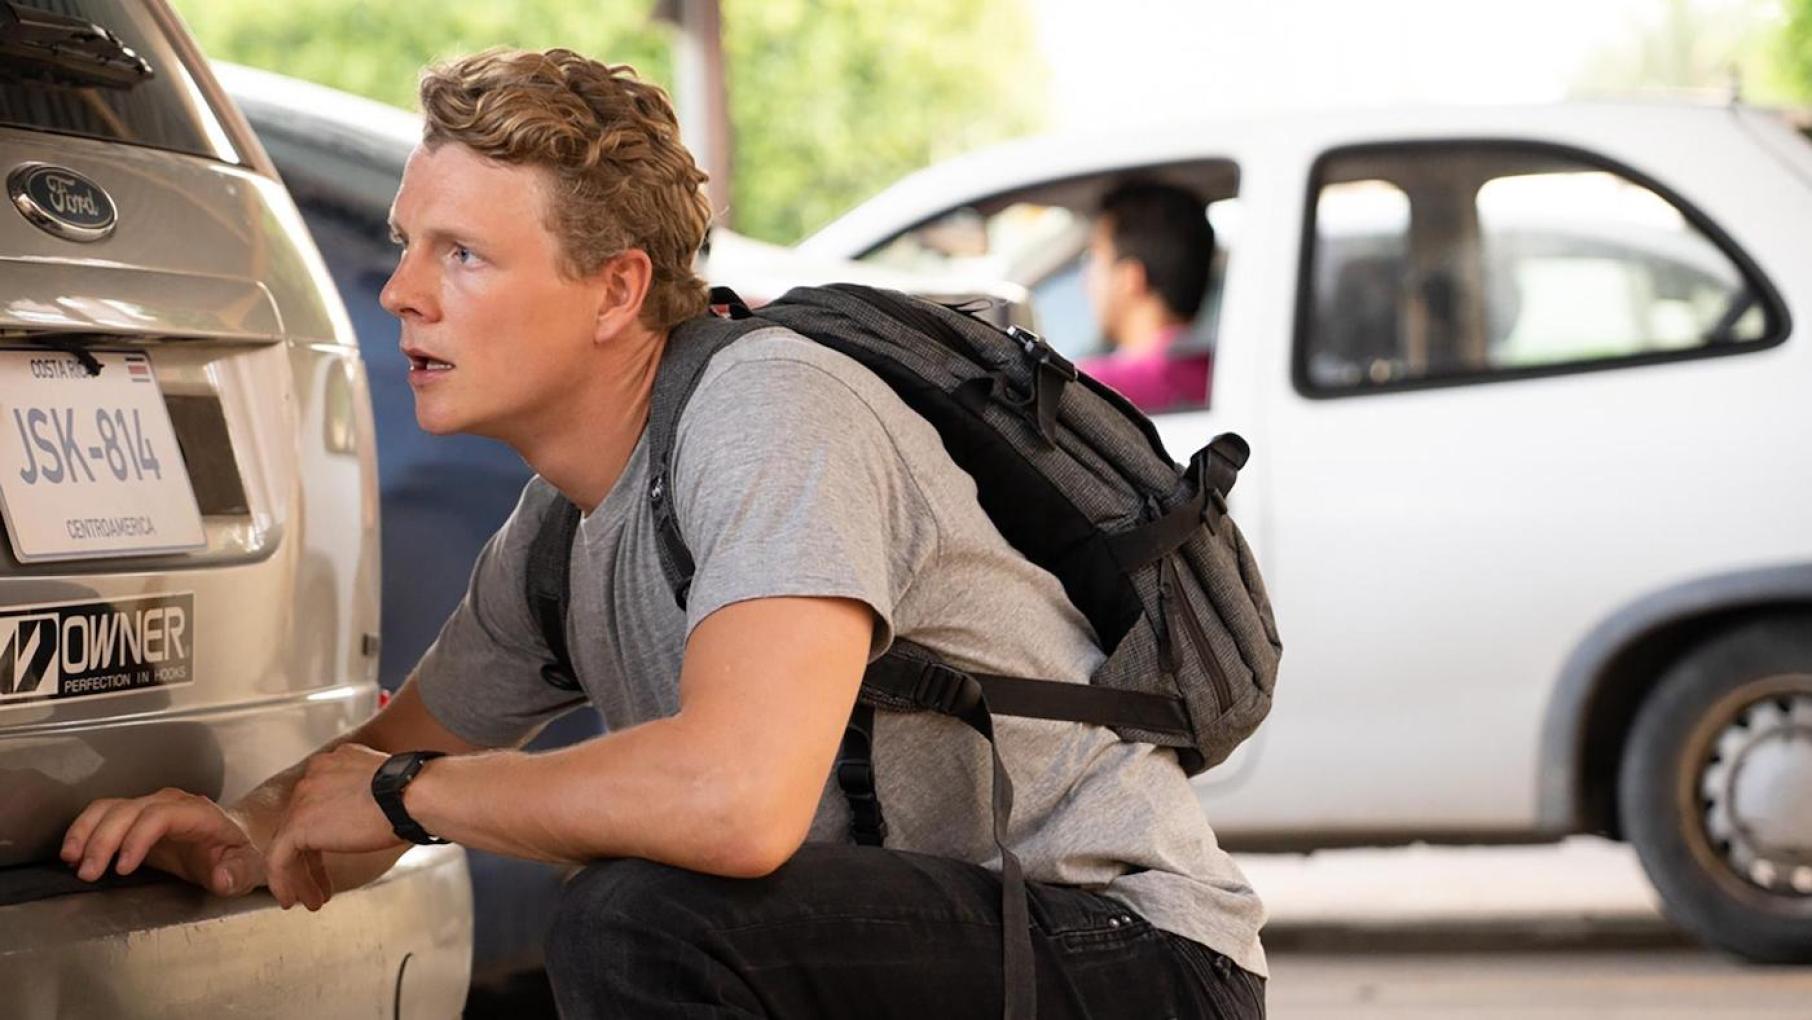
(404, 293)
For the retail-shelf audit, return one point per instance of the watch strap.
(387, 786)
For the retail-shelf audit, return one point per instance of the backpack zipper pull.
(1165, 633)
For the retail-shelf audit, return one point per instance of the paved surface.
(1581, 984)
(1579, 882)
(1571, 932)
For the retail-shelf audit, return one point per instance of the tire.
(1715, 790)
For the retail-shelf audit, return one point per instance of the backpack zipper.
(1178, 607)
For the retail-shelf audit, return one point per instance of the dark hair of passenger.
(1165, 229)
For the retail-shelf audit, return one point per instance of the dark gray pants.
(863, 932)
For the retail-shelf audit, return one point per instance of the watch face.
(393, 773)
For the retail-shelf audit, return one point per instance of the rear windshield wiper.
(65, 50)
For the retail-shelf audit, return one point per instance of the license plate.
(89, 465)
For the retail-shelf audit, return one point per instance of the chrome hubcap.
(1756, 792)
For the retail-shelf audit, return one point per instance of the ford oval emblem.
(60, 201)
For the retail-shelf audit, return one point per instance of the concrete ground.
(1568, 932)
(1577, 984)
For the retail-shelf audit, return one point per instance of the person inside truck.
(547, 224)
(1146, 274)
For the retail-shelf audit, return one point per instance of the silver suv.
(189, 581)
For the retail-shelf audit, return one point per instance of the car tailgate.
(209, 277)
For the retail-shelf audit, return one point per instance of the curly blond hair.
(620, 177)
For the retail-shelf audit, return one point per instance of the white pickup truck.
(1528, 400)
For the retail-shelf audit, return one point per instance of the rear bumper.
(399, 947)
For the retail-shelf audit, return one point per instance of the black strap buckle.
(867, 823)
(856, 777)
(1044, 357)
(945, 690)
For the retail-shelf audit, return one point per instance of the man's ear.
(624, 279)
(1130, 279)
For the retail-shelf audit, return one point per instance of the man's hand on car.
(174, 831)
(330, 810)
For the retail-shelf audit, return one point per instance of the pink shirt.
(1152, 379)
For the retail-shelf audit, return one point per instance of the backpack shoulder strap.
(549, 587)
(690, 347)
(549, 582)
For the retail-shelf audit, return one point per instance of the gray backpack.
(1076, 479)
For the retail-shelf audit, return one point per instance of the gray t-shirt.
(797, 472)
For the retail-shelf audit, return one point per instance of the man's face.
(1104, 279)
(495, 332)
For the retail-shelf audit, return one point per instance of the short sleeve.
(481, 678)
(786, 483)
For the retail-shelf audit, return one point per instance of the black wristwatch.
(387, 788)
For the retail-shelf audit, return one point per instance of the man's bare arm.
(728, 786)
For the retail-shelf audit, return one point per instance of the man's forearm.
(643, 792)
(261, 810)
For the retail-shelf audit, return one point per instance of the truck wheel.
(1715, 791)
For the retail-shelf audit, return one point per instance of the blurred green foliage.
(1707, 47)
(1796, 45)
(830, 100)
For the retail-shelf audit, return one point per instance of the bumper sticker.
(78, 649)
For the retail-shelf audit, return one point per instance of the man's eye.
(462, 254)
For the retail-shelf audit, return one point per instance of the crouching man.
(547, 225)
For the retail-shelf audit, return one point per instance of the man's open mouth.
(428, 364)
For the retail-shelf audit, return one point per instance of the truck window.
(122, 83)
(1036, 237)
(1455, 262)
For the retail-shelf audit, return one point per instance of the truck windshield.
(101, 69)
